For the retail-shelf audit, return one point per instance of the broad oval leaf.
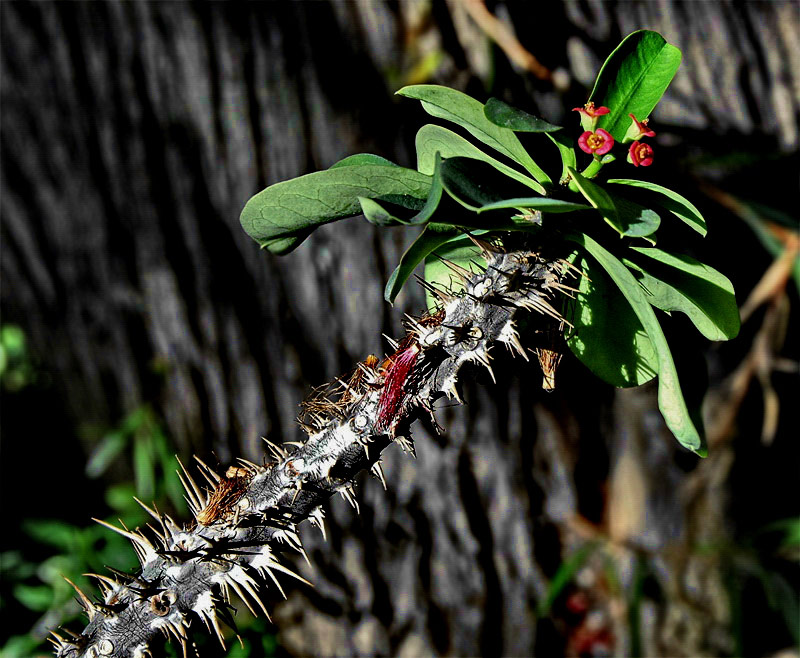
(674, 282)
(633, 79)
(284, 214)
(432, 139)
(628, 218)
(467, 112)
(504, 115)
(545, 204)
(669, 200)
(670, 398)
(362, 159)
(607, 336)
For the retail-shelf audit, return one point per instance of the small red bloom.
(640, 154)
(598, 142)
(637, 130)
(590, 111)
(590, 114)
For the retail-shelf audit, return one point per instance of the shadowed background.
(133, 134)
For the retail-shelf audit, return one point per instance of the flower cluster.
(597, 141)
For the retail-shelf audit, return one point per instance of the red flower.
(640, 154)
(637, 130)
(590, 115)
(590, 111)
(598, 142)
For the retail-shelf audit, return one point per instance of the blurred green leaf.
(34, 597)
(52, 532)
(633, 79)
(504, 115)
(105, 452)
(143, 466)
(455, 106)
(563, 576)
(19, 646)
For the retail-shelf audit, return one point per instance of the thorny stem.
(241, 523)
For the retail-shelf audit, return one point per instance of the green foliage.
(16, 368)
(40, 586)
(458, 188)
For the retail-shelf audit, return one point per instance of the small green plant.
(458, 188)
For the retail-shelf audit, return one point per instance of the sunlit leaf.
(670, 398)
(608, 337)
(633, 79)
(674, 282)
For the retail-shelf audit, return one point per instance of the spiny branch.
(252, 511)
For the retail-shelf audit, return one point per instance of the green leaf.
(475, 184)
(628, 218)
(564, 575)
(608, 337)
(460, 251)
(144, 467)
(673, 282)
(670, 398)
(545, 204)
(432, 139)
(566, 148)
(455, 106)
(363, 159)
(55, 533)
(433, 235)
(377, 215)
(633, 79)
(669, 200)
(284, 214)
(105, 452)
(34, 597)
(504, 115)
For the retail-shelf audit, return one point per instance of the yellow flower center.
(595, 141)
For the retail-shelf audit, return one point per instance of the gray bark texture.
(132, 135)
